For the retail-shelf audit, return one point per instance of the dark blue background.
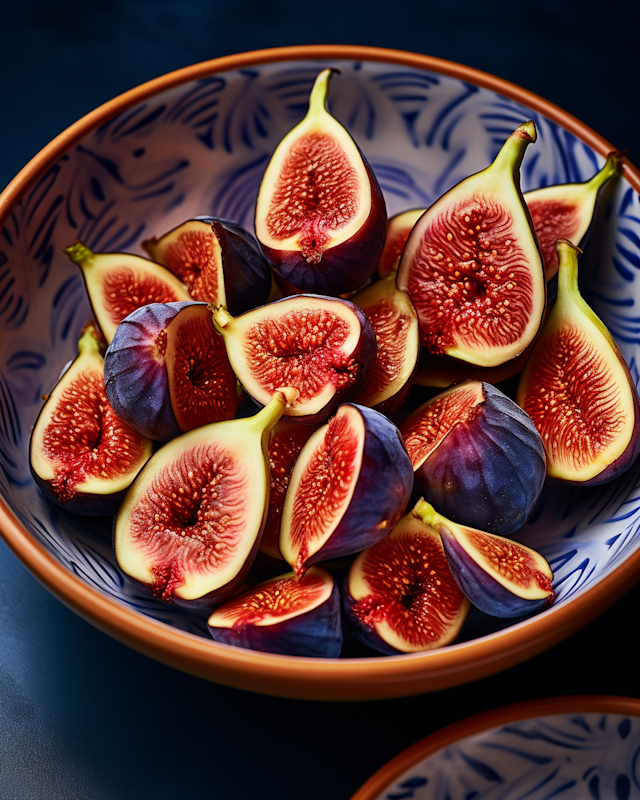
(83, 717)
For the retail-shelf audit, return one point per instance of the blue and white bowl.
(197, 142)
(568, 748)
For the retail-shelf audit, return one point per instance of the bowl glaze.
(197, 141)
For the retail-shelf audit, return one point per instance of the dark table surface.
(81, 715)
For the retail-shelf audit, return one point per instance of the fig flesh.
(499, 576)
(81, 455)
(323, 346)
(565, 211)
(400, 595)
(118, 283)
(350, 485)
(472, 265)
(285, 443)
(190, 526)
(135, 373)
(202, 385)
(477, 456)
(218, 261)
(395, 324)
(320, 215)
(286, 614)
(398, 229)
(577, 388)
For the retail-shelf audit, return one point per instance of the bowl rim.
(291, 676)
(383, 778)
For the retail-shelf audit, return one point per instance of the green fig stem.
(221, 318)
(427, 513)
(78, 253)
(318, 96)
(89, 342)
(266, 418)
(612, 166)
(512, 151)
(567, 268)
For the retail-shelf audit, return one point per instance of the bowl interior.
(201, 148)
(573, 755)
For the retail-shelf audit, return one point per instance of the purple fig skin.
(381, 494)
(345, 267)
(315, 634)
(482, 590)
(247, 276)
(84, 503)
(489, 472)
(135, 380)
(364, 354)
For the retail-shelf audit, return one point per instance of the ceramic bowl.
(566, 748)
(197, 141)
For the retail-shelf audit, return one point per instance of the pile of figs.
(377, 488)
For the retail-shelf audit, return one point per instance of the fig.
(118, 283)
(472, 265)
(350, 485)
(190, 525)
(323, 346)
(135, 372)
(499, 576)
(81, 455)
(218, 261)
(400, 595)
(320, 214)
(565, 211)
(398, 229)
(477, 456)
(286, 614)
(395, 324)
(286, 440)
(439, 372)
(577, 389)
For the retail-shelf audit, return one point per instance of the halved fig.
(398, 229)
(565, 211)
(118, 283)
(320, 214)
(286, 614)
(395, 324)
(323, 346)
(577, 388)
(218, 261)
(191, 523)
(477, 456)
(135, 372)
(501, 577)
(81, 455)
(350, 485)
(285, 443)
(400, 595)
(202, 385)
(472, 265)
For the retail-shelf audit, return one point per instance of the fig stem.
(427, 513)
(89, 341)
(221, 317)
(512, 151)
(318, 96)
(611, 167)
(78, 252)
(567, 268)
(267, 417)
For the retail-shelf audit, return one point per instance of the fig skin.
(189, 548)
(405, 588)
(380, 495)
(362, 355)
(135, 371)
(398, 229)
(88, 496)
(315, 632)
(499, 598)
(489, 468)
(349, 257)
(244, 278)
(576, 367)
